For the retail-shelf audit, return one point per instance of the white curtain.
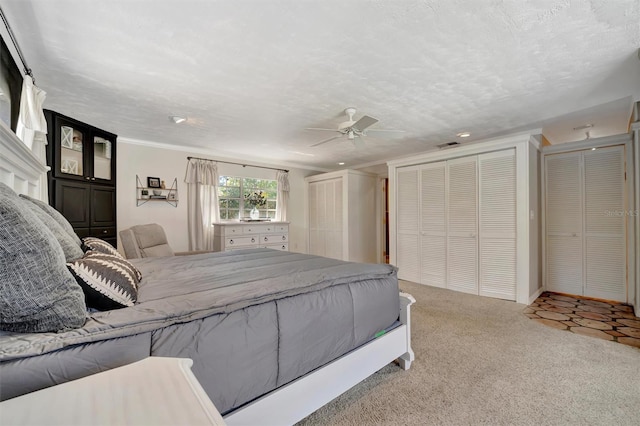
(202, 202)
(282, 202)
(32, 126)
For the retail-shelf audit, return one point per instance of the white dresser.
(245, 235)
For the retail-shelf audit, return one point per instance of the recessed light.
(340, 164)
(593, 149)
(177, 119)
(463, 134)
(584, 126)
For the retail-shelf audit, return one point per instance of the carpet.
(481, 361)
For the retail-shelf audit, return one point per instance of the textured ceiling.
(252, 75)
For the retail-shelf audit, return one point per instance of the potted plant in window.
(255, 199)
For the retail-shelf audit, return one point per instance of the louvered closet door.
(563, 186)
(462, 233)
(407, 225)
(433, 235)
(497, 224)
(335, 231)
(316, 201)
(604, 224)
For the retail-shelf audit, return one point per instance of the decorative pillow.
(37, 291)
(109, 282)
(57, 216)
(71, 250)
(99, 245)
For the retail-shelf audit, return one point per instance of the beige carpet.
(481, 361)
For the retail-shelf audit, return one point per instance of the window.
(10, 87)
(231, 192)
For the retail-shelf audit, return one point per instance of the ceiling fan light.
(177, 119)
(351, 135)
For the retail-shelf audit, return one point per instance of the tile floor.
(604, 320)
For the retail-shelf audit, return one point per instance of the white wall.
(168, 164)
(535, 265)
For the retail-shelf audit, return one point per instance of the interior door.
(433, 232)
(563, 188)
(407, 225)
(462, 219)
(497, 224)
(604, 224)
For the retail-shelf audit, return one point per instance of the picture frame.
(172, 196)
(153, 182)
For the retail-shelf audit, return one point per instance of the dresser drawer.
(228, 231)
(283, 247)
(231, 242)
(256, 229)
(281, 228)
(273, 238)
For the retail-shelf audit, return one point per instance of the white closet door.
(462, 233)
(604, 224)
(497, 224)
(563, 186)
(433, 235)
(316, 201)
(407, 225)
(325, 218)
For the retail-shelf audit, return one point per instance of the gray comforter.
(252, 320)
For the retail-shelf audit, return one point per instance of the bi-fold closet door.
(457, 224)
(586, 223)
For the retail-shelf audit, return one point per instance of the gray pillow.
(57, 216)
(37, 291)
(71, 250)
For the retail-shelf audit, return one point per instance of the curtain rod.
(12, 36)
(238, 164)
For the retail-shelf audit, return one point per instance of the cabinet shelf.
(169, 195)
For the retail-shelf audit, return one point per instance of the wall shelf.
(168, 195)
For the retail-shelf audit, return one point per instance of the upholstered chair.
(148, 240)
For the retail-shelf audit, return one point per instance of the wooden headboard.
(19, 168)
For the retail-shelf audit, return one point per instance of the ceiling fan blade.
(386, 130)
(324, 141)
(364, 122)
(321, 128)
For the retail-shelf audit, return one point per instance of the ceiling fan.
(352, 129)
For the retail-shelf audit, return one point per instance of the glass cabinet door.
(102, 158)
(71, 151)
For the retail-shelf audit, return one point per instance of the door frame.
(626, 141)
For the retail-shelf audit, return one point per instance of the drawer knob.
(230, 241)
(253, 240)
(104, 231)
(284, 238)
(266, 239)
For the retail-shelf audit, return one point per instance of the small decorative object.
(144, 193)
(153, 182)
(69, 166)
(172, 196)
(255, 199)
(66, 137)
(162, 185)
(157, 192)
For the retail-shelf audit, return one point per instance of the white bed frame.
(23, 172)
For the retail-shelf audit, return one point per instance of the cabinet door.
(433, 232)
(564, 252)
(497, 224)
(103, 158)
(72, 200)
(462, 233)
(70, 144)
(604, 224)
(408, 254)
(103, 206)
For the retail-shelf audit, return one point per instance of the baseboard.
(535, 295)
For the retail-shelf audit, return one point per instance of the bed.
(273, 335)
